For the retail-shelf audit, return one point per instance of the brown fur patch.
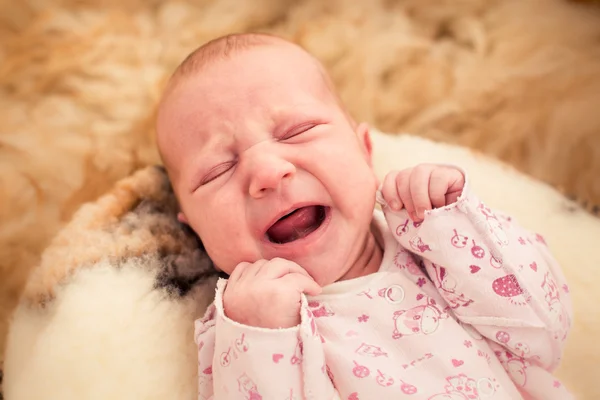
(135, 220)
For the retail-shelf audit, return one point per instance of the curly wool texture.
(135, 220)
(79, 81)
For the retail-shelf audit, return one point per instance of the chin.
(330, 266)
(327, 279)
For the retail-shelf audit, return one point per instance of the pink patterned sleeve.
(495, 275)
(236, 361)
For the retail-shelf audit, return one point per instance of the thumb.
(312, 288)
(306, 284)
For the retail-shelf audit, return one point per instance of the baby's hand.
(266, 294)
(422, 188)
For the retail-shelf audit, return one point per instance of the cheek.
(220, 231)
(361, 188)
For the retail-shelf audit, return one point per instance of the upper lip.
(285, 212)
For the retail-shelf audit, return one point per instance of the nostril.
(288, 174)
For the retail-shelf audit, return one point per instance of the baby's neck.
(369, 260)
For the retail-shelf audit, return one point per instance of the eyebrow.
(215, 139)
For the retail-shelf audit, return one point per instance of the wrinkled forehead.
(262, 79)
(249, 70)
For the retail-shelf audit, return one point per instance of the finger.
(279, 267)
(303, 283)
(403, 188)
(390, 192)
(456, 184)
(438, 186)
(419, 190)
(254, 269)
(238, 272)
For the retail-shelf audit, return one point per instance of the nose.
(267, 173)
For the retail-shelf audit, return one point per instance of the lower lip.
(294, 247)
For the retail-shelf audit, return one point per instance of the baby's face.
(251, 139)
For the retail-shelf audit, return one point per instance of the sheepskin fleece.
(109, 313)
(79, 81)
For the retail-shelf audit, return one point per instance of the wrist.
(247, 317)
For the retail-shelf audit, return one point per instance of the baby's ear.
(364, 136)
(181, 218)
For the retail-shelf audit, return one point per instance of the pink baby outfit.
(466, 305)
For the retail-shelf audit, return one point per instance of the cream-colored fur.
(109, 333)
(79, 80)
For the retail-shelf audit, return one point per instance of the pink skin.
(252, 137)
(422, 188)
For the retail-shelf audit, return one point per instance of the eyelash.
(221, 169)
(298, 130)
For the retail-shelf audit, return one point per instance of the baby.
(435, 296)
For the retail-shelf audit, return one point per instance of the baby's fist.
(422, 188)
(267, 294)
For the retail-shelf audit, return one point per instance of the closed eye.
(297, 130)
(216, 172)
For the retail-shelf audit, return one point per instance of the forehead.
(274, 70)
(249, 87)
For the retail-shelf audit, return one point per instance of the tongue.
(295, 226)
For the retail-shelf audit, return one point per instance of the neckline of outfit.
(354, 286)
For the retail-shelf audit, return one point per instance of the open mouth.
(297, 224)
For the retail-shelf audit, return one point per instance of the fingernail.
(421, 213)
(394, 205)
